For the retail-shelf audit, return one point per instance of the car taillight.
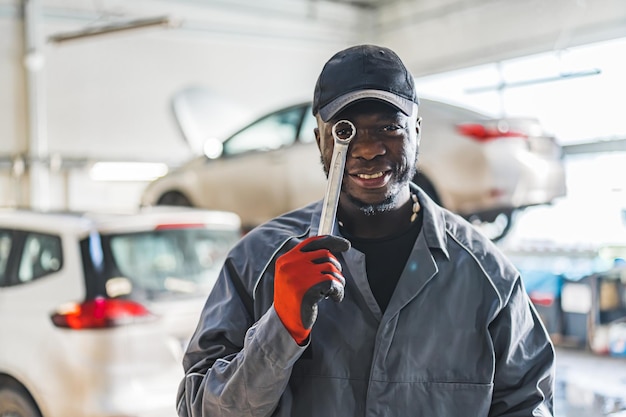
(541, 299)
(482, 133)
(99, 313)
(168, 226)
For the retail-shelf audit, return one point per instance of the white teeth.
(369, 177)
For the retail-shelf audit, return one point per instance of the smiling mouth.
(371, 181)
(370, 176)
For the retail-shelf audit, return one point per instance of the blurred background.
(109, 105)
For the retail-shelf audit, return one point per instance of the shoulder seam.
(480, 265)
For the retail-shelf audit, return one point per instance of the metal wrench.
(343, 131)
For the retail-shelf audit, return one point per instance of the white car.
(95, 310)
(474, 165)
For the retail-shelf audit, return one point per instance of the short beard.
(373, 209)
(390, 201)
(324, 167)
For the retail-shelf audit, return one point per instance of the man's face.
(381, 158)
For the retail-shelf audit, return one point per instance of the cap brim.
(331, 109)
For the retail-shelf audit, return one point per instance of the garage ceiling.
(431, 35)
(452, 34)
(440, 35)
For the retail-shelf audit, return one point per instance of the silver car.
(479, 167)
(95, 310)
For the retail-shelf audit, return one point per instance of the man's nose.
(366, 145)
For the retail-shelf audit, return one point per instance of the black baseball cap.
(363, 72)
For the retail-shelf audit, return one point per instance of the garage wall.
(108, 97)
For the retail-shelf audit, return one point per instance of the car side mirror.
(213, 148)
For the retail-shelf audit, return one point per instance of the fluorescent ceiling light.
(127, 171)
(163, 21)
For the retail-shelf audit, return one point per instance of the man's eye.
(344, 132)
(391, 128)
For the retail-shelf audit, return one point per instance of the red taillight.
(542, 299)
(179, 226)
(99, 313)
(482, 133)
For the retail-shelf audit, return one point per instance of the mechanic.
(405, 310)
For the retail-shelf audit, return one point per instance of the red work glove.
(305, 275)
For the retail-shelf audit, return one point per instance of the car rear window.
(272, 132)
(164, 263)
(41, 256)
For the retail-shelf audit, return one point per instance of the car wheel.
(15, 401)
(174, 198)
(496, 228)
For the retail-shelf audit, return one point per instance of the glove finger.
(337, 290)
(333, 269)
(337, 275)
(332, 243)
(309, 308)
(331, 288)
(330, 259)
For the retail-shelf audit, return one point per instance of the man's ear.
(418, 129)
(316, 131)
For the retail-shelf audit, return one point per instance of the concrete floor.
(589, 385)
